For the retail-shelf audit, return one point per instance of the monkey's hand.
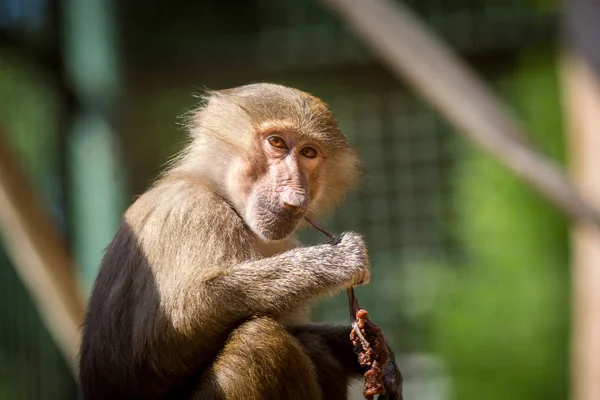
(392, 379)
(352, 251)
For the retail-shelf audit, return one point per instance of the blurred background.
(470, 266)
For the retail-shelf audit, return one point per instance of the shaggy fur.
(193, 299)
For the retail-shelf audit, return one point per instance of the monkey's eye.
(276, 141)
(309, 152)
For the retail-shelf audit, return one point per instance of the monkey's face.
(275, 152)
(279, 183)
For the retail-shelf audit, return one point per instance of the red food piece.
(367, 337)
(373, 354)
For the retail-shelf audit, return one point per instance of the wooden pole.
(39, 258)
(414, 54)
(581, 83)
(582, 103)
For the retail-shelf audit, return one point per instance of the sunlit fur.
(234, 117)
(191, 302)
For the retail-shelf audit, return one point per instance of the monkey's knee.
(261, 360)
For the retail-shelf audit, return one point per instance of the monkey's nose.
(295, 209)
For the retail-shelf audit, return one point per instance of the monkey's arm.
(196, 256)
(277, 285)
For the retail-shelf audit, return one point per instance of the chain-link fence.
(404, 206)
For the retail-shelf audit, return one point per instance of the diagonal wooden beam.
(39, 257)
(416, 55)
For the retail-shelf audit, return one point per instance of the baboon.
(204, 291)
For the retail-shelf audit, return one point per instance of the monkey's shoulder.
(182, 201)
(185, 213)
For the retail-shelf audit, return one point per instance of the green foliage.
(28, 117)
(503, 327)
